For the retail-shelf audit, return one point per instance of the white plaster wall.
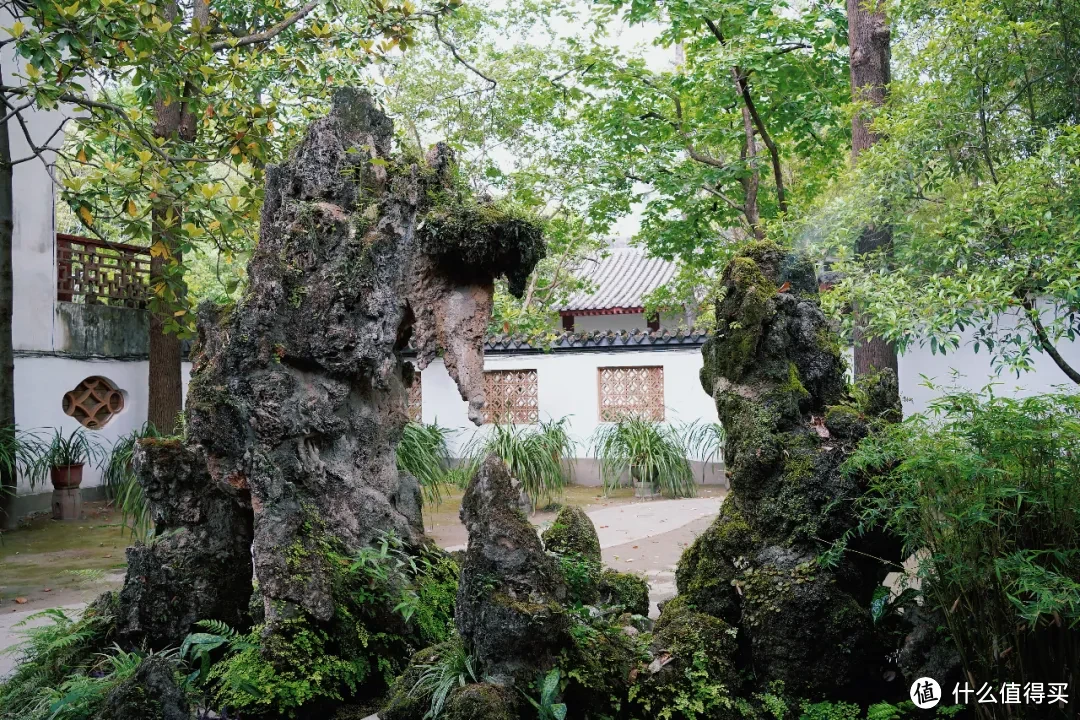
(627, 322)
(40, 384)
(974, 372)
(567, 387)
(34, 241)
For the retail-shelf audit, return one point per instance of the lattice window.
(98, 273)
(415, 403)
(93, 402)
(631, 392)
(511, 397)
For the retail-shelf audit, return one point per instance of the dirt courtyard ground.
(48, 564)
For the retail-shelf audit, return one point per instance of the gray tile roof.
(610, 340)
(619, 280)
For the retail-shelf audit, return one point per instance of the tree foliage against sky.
(242, 78)
(552, 108)
(978, 175)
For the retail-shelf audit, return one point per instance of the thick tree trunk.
(165, 378)
(8, 478)
(172, 120)
(868, 37)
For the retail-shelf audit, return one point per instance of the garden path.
(643, 536)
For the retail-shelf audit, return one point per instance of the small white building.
(607, 359)
(80, 338)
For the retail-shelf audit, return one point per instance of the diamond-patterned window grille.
(627, 392)
(93, 402)
(511, 397)
(415, 403)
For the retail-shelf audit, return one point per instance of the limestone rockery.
(297, 395)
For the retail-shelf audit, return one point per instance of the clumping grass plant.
(123, 488)
(424, 454)
(535, 454)
(646, 451)
(452, 668)
(18, 449)
(984, 492)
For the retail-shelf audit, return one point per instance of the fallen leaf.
(21, 600)
(785, 287)
(47, 590)
(818, 424)
(108, 556)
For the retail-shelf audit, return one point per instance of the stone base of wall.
(586, 471)
(42, 502)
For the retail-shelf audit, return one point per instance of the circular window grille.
(93, 402)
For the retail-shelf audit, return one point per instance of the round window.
(93, 402)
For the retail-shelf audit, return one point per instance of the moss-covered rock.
(598, 666)
(706, 570)
(806, 631)
(573, 533)
(475, 241)
(776, 373)
(152, 693)
(510, 612)
(626, 590)
(582, 578)
(407, 701)
(845, 421)
(484, 701)
(690, 664)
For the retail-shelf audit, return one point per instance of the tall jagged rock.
(775, 370)
(509, 605)
(297, 394)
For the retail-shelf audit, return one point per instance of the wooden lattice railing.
(94, 272)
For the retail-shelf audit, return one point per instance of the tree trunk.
(172, 120)
(165, 379)
(868, 37)
(8, 476)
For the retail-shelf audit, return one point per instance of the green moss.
(573, 533)
(625, 589)
(794, 385)
(707, 569)
(698, 678)
(582, 578)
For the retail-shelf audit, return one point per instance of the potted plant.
(63, 458)
(654, 455)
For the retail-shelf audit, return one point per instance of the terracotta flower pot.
(66, 476)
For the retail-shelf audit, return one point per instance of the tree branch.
(743, 88)
(269, 33)
(1044, 342)
(454, 51)
(773, 152)
(693, 152)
